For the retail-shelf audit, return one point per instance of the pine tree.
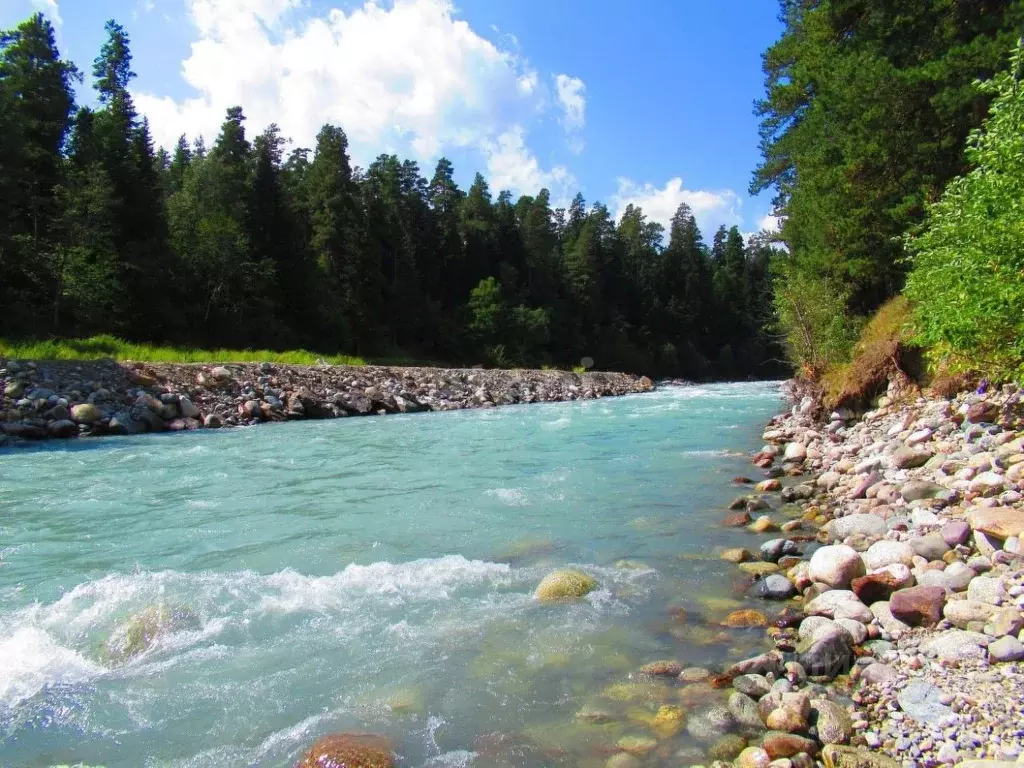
(350, 277)
(36, 102)
(450, 281)
(231, 292)
(180, 161)
(129, 160)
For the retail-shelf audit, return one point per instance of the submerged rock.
(775, 587)
(565, 585)
(727, 748)
(753, 757)
(348, 750)
(849, 757)
(662, 668)
(136, 635)
(745, 618)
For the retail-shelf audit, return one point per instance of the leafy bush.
(811, 317)
(967, 280)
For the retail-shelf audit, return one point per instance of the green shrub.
(967, 279)
(811, 317)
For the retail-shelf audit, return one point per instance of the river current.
(371, 574)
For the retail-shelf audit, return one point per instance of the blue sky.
(647, 102)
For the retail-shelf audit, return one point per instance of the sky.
(648, 102)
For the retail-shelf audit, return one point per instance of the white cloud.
(770, 223)
(574, 104)
(511, 165)
(712, 209)
(49, 7)
(409, 76)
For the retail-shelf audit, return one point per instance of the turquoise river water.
(370, 574)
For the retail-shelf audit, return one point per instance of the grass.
(883, 349)
(102, 347)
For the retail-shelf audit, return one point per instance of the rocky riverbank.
(898, 563)
(71, 399)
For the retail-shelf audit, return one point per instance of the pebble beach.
(906, 608)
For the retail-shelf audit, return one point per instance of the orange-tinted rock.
(875, 587)
(786, 719)
(918, 606)
(736, 520)
(348, 750)
(662, 668)
(744, 619)
(779, 745)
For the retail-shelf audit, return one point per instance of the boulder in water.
(565, 585)
(348, 750)
(137, 634)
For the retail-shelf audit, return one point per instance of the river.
(370, 574)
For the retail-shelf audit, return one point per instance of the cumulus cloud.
(574, 105)
(409, 76)
(50, 8)
(511, 165)
(770, 223)
(712, 209)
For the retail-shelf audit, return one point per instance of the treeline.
(867, 112)
(244, 244)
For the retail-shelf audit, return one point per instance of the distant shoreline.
(65, 399)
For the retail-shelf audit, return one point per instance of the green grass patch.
(883, 349)
(101, 347)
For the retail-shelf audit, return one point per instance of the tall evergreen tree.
(36, 102)
(338, 240)
(867, 107)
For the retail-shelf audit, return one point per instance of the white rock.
(864, 524)
(883, 553)
(960, 613)
(956, 644)
(836, 565)
(887, 621)
(810, 625)
(795, 452)
(855, 629)
(987, 484)
(901, 573)
(839, 604)
(986, 589)
(920, 436)
(867, 465)
(922, 518)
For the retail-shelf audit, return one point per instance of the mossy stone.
(565, 585)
